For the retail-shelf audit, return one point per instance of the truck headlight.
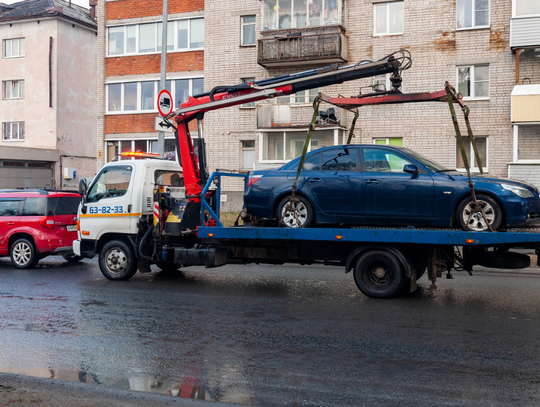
(519, 191)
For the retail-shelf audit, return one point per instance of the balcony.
(525, 32)
(272, 116)
(303, 46)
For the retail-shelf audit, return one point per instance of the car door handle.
(372, 181)
(11, 223)
(315, 180)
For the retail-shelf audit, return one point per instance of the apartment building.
(49, 105)
(129, 65)
(482, 47)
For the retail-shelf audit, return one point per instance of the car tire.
(117, 260)
(23, 254)
(379, 274)
(476, 223)
(304, 216)
(71, 257)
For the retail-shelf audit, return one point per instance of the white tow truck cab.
(116, 202)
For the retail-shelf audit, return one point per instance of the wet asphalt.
(275, 335)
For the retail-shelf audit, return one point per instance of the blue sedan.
(386, 186)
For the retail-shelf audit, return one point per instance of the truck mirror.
(83, 187)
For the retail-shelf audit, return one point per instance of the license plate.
(71, 228)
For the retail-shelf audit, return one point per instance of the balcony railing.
(303, 46)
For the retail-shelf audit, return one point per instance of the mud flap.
(143, 265)
(414, 287)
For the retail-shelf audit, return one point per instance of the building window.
(114, 148)
(527, 142)
(391, 141)
(13, 89)
(248, 155)
(13, 48)
(524, 8)
(285, 146)
(473, 81)
(136, 97)
(147, 38)
(250, 104)
(284, 14)
(248, 30)
(482, 147)
(382, 83)
(13, 131)
(302, 97)
(388, 18)
(472, 14)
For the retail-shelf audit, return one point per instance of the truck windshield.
(111, 182)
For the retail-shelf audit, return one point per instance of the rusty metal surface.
(354, 102)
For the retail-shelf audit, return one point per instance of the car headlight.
(519, 191)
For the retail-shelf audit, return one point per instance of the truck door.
(108, 202)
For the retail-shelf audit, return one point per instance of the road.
(275, 335)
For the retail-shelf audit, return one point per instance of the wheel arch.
(355, 255)
(106, 238)
(14, 237)
(478, 191)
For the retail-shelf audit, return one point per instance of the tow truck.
(134, 214)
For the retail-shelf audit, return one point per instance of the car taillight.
(47, 222)
(253, 179)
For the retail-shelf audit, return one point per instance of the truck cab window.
(169, 178)
(111, 183)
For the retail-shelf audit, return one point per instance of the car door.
(336, 184)
(391, 195)
(9, 220)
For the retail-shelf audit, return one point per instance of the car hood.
(488, 178)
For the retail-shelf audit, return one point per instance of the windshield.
(112, 182)
(426, 162)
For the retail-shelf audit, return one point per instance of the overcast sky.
(83, 3)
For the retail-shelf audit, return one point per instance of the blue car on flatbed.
(381, 185)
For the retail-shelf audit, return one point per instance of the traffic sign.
(165, 103)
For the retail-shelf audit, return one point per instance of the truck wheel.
(117, 261)
(302, 216)
(379, 274)
(476, 223)
(23, 254)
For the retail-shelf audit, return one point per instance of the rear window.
(34, 207)
(63, 205)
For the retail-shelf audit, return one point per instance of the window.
(13, 48)
(284, 146)
(528, 142)
(141, 96)
(248, 30)
(382, 83)
(147, 38)
(526, 8)
(392, 141)
(473, 81)
(35, 207)
(304, 96)
(114, 147)
(13, 131)
(250, 104)
(379, 160)
(9, 207)
(284, 14)
(481, 145)
(341, 159)
(388, 18)
(472, 13)
(111, 183)
(13, 89)
(248, 154)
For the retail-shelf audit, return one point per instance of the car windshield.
(429, 164)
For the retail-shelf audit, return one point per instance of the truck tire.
(23, 254)
(379, 274)
(476, 223)
(117, 260)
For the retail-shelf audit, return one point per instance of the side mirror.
(410, 168)
(83, 187)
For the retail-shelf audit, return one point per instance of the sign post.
(163, 81)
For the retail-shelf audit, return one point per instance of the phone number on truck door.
(106, 209)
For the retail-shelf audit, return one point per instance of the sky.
(83, 3)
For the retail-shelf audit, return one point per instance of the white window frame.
(10, 85)
(249, 105)
(244, 24)
(387, 141)
(473, 81)
(12, 125)
(243, 149)
(516, 158)
(514, 9)
(158, 36)
(10, 42)
(473, 17)
(292, 98)
(324, 20)
(472, 158)
(387, 31)
(138, 108)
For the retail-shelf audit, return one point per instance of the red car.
(37, 223)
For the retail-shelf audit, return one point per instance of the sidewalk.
(24, 391)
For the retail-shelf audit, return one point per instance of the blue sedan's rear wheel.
(299, 215)
(472, 220)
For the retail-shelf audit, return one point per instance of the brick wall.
(135, 123)
(122, 9)
(142, 64)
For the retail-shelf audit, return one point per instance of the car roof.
(28, 193)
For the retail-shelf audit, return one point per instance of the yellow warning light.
(210, 235)
(339, 237)
(469, 241)
(139, 154)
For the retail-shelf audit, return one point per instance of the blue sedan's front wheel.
(470, 218)
(297, 215)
